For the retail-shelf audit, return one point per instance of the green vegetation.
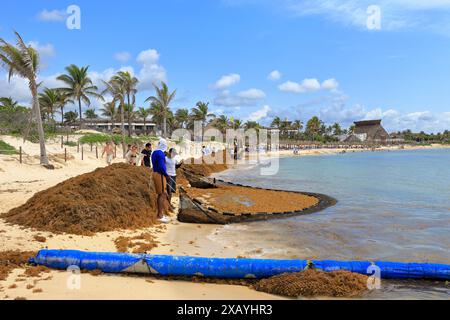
(98, 138)
(6, 148)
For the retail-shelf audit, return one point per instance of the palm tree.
(90, 114)
(49, 101)
(276, 123)
(143, 114)
(129, 111)
(201, 113)
(115, 89)
(129, 84)
(237, 124)
(63, 99)
(70, 117)
(109, 110)
(163, 98)
(157, 112)
(182, 117)
(23, 60)
(79, 86)
(222, 123)
(8, 103)
(252, 125)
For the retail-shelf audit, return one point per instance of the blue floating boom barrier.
(227, 268)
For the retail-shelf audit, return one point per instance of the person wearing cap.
(172, 164)
(160, 179)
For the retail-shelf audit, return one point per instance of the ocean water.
(392, 206)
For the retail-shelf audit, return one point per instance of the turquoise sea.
(393, 206)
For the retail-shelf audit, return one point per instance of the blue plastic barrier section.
(227, 268)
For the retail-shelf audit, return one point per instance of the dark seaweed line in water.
(228, 218)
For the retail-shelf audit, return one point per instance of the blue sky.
(254, 59)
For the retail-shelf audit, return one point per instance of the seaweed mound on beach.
(116, 197)
(207, 165)
(314, 283)
(10, 260)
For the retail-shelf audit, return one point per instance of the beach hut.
(373, 131)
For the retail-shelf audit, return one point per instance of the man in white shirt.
(172, 164)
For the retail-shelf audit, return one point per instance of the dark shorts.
(172, 185)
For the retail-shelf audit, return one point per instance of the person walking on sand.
(146, 156)
(109, 151)
(172, 164)
(160, 179)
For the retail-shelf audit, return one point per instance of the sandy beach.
(19, 182)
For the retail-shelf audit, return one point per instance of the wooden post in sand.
(82, 152)
(65, 154)
(96, 152)
(62, 142)
(78, 146)
(115, 150)
(20, 155)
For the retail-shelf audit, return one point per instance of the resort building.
(103, 125)
(370, 131)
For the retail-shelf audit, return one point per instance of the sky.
(341, 60)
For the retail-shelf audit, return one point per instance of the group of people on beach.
(163, 163)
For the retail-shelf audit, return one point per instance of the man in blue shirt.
(160, 179)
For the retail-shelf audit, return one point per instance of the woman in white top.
(172, 164)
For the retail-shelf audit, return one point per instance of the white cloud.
(151, 72)
(252, 94)
(52, 15)
(274, 75)
(227, 81)
(308, 85)
(249, 97)
(259, 114)
(330, 84)
(122, 56)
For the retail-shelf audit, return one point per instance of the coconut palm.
(79, 86)
(109, 110)
(129, 84)
(276, 123)
(90, 114)
(252, 125)
(49, 101)
(114, 88)
(157, 112)
(182, 117)
(23, 61)
(70, 117)
(222, 123)
(63, 100)
(143, 114)
(8, 103)
(131, 115)
(201, 113)
(163, 98)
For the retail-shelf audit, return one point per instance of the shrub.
(7, 149)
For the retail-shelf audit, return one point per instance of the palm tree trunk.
(62, 116)
(37, 109)
(129, 115)
(79, 109)
(122, 119)
(164, 121)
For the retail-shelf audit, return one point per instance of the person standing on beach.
(172, 164)
(132, 155)
(160, 179)
(109, 151)
(147, 154)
